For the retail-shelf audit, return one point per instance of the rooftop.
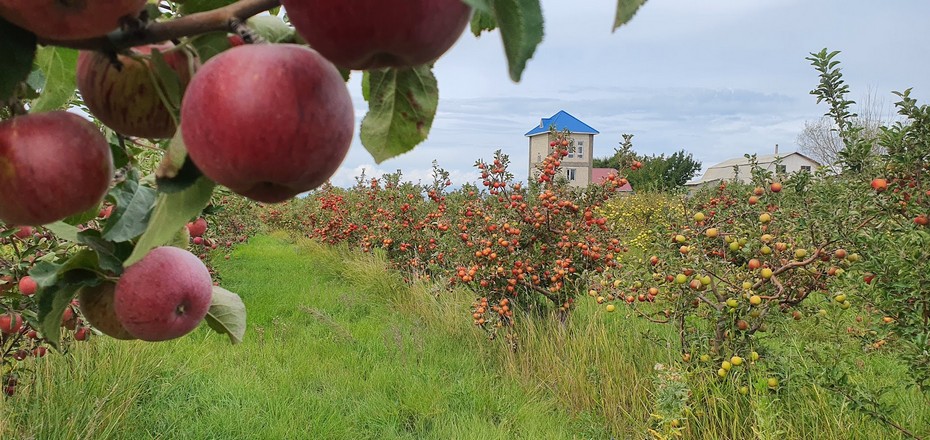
(562, 121)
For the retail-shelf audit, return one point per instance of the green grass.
(326, 355)
(338, 347)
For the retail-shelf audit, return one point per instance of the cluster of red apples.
(269, 121)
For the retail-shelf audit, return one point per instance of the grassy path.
(339, 348)
(327, 355)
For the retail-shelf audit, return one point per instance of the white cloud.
(717, 78)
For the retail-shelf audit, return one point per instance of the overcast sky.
(718, 78)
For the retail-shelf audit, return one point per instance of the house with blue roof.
(578, 165)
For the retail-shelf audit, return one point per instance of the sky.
(717, 78)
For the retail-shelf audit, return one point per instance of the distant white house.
(727, 170)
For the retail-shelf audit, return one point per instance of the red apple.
(69, 20)
(55, 164)
(125, 97)
(879, 185)
(197, 227)
(11, 323)
(27, 285)
(371, 34)
(81, 334)
(775, 187)
(24, 232)
(268, 143)
(163, 296)
(97, 306)
(39, 351)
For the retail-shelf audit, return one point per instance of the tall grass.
(339, 347)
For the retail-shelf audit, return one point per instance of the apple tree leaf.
(58, 65)
(521, 27)
(192, 6)
(168, 83)
(64, 230)
(479, 5)
(172, 211)
(17, 50)
(271, 28)
(176, 172)
(227, 314)
(59, 283)
(210, 45)
(110, 255)
(45, 273)
(401, 107)
(626, 9)
(82, 217)
(130, 217)
(482, 21)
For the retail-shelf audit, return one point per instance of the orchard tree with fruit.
(118, 120)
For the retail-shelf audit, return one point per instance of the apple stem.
(219, 19)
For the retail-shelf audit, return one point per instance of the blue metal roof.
(562, 121)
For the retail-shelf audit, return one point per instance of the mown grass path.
(326, 356)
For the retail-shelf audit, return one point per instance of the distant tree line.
(651, 173)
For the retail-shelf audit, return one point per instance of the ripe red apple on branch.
(54, 165)
(69, 20)
(125, 96)
(268, 121)
(11, 323)
(371, 34)
(163, 296)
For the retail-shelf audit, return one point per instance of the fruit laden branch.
(227, 18)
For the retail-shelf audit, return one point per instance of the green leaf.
(83, 217)
(171, 212)
(192, 6)
(521, 25)
(402, 104)
(482, 21)
(64, 231)
(479, 5)
(626, 9)
(45, 274)
(211, 44)
(59, 284)
(366, 86)
(17, 50)
(83, 260)
(58, 64)
(227, 314)
(168, 82)
(176, 172)
(52, 302)
(133, 207)
(110, 255)
(271, 28)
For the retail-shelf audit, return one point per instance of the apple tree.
(119, 120)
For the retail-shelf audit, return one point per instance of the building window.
(806, 168)
(570, 174)
(579, 149)
(781, 169)
(571, 152)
